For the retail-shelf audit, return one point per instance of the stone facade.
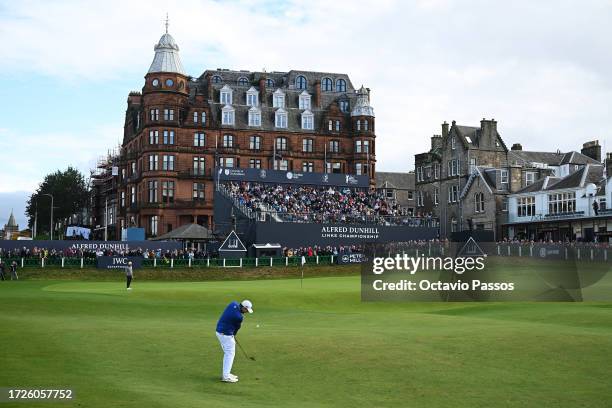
(398, 188)
(176, 132)
(465, 163)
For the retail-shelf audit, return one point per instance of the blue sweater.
(230, 320)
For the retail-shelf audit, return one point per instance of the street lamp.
(51, 223)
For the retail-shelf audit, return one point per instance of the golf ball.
(257, 325)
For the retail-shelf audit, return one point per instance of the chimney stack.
(516, 146)
(319, 102)
(436, 141)
(609, 164)
(592, 149)
(445, 129)
(262, 91)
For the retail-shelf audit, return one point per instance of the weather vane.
(167, 23)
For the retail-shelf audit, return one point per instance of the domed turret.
(167, 56)
(362, 106)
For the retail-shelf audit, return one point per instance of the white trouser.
(228, 344)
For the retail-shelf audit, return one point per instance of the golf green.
(314, 346)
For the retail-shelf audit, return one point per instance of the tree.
(70, 196)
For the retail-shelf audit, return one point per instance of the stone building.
(465, 177)
(180, 128)
(398, 188)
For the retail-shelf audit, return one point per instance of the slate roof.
(404, 181)
(591, 173)
(524, 157)
(187, 232)
(285, 82)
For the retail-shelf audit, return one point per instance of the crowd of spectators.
(571, 243)
(322, 250)
(302, 203)
(80, 253)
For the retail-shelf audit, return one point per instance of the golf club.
(244, 352)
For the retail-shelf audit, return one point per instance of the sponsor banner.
(293, 234)
(345, 259)
(285, 177)
(119, 262)
(91, 246)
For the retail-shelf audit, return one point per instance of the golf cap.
(248, 305)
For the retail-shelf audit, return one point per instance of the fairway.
(315, 346)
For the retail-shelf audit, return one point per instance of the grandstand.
(290, 209)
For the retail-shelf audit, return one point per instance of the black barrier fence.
(171, 263)
(290, 177)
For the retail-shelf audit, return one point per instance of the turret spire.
(166, 55)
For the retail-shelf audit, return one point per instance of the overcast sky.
(540, 68)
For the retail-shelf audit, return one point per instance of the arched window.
(216, 79)
(340, 85)
(327, 85)
(269, 83)
(242, 81)
(358, 124)
(300, 82)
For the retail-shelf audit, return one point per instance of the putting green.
(316, 346)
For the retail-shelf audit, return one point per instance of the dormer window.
(216, 79)
(304, 102)
(228, 115)
(307, 120)
(226, 95)
(327, 85)
(300, 82)
(278, 99)
(242, 81)
(269, 83)
(280, 118)
(340, 85)
(252, 98)
(453, 142)
(254, 116)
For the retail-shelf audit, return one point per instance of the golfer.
(2, 267)
(129, 274)
(14, 271)
(227, 327)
